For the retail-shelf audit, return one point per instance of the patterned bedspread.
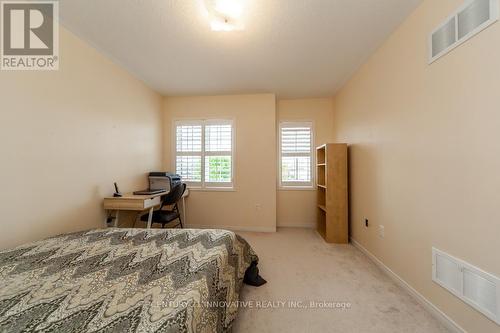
(124, 280)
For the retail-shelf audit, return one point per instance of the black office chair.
(166, 216)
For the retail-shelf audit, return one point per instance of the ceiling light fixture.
(225, 15)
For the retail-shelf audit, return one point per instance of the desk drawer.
(152, 202)
(138, 204)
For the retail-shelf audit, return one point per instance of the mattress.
(124, 280)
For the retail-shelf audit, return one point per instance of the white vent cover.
(475, 287)
(444, 38)
(470, 19)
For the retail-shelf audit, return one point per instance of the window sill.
(296, 188)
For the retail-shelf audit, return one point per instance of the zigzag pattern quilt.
(124, 280)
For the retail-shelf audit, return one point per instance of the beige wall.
(424, 155)
(255, 161)
(297, 208)
(65, 136)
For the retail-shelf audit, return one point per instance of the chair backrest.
(174, 195)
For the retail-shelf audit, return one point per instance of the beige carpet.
(300, 266)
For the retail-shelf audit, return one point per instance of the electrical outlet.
(381, 231)
(366, 222)
(258, 207)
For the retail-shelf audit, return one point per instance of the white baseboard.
(232, 228)
(431, 308)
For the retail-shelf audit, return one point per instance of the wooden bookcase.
(331, 182)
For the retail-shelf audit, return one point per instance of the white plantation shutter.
(188, 138)
(218, 153)
(296, 154)
(189, 168)
(188, 151)
(204, 152)
(295, 138)
(218, 137)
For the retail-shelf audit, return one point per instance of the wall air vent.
(475, 287)
(444, 38)
(470, 19)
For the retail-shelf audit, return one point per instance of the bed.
(125, 280)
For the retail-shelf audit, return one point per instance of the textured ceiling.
(294, 48)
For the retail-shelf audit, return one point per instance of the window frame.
(297, 186)
(204, 185)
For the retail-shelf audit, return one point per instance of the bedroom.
(215, 91)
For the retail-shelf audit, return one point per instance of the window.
(296, 157)
(204, 153)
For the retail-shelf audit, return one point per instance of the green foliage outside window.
(218, 168)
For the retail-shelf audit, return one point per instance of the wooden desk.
(138, 203)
